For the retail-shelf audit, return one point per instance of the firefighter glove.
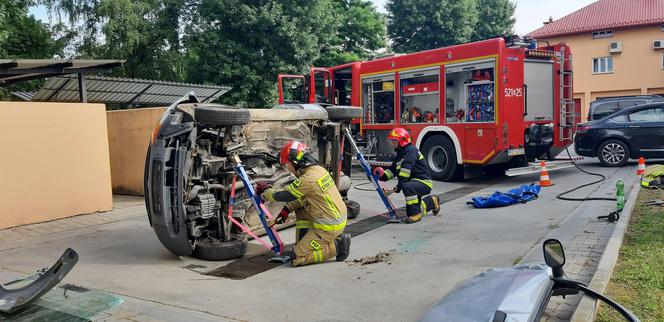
(283, 215)
(380, 174)
(261, 187)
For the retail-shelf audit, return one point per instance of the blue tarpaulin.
(521, 194)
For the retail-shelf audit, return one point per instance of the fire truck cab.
(496, 103)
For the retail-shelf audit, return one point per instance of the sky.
(529, 13)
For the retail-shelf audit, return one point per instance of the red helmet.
(293, 152)
(400, 135)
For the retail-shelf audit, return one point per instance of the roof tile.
(605, 14)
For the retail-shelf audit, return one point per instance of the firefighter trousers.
(418, 200)
(313, 245)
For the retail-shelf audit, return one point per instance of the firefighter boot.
(436, 205)
(342, 244)
(412, 219)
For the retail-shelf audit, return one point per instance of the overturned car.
(189, 168)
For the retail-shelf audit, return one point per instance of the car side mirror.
(554, 256)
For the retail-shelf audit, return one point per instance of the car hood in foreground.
(512, 294)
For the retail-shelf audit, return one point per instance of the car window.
(622, 118)
(655, 114)
(604, 109)
(625, 104)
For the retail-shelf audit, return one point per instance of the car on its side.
(633, 132)
(605, 106)
(189, 169)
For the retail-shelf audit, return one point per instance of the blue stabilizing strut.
(372, 178)
(277, 246)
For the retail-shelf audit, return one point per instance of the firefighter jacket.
(316, 196)
(408, 164)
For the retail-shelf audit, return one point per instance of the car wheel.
(343, 113)
(613, 153)
(353, 208)
(213, 249)
(221, 115)
(441, 158)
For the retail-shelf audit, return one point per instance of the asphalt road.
(426, 260)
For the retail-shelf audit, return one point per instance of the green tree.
(147, 33)
(23, 36)
(245, 44)
(496, 18)
(415, 25)
(360, 32)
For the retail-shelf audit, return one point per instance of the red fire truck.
(495, 103)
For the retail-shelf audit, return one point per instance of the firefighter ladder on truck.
(567, 109)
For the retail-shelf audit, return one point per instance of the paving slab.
(120, 254)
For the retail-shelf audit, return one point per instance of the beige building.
(617, 48)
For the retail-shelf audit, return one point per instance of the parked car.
(515, 294)
(629, 133)
(605, 106)
(189, 168)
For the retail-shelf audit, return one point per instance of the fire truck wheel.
(441, 158)
(213, 249)
(343, 113)
(217, 114)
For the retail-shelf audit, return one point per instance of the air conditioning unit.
(615, 47)
(658, 44)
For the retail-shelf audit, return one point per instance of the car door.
(646, 127)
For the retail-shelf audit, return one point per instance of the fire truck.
(497, 103)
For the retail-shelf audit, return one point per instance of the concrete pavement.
(121, 255)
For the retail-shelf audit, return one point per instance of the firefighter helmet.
(292, 152)
(400, 135)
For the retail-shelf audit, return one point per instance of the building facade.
(617, 48)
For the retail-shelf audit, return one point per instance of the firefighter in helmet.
(413, 175)
(319, 209)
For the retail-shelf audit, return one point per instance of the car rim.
(437, 159)
(613, 153)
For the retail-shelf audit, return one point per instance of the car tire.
(221, 115)
(440, 155)
(353, 208)
(343, 113)
(613, 153)
(216, 250)
(146, 183)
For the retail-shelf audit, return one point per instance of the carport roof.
(17, 70)
(124, 90)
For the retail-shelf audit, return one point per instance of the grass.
(638, 277)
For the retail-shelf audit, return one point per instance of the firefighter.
(413, 176)
(318, 206)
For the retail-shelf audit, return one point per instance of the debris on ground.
(380, 257)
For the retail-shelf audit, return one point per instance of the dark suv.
(605, 106)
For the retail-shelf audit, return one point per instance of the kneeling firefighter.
(413, 174)
(318, 206)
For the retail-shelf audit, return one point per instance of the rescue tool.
(374, 180)
(263, 214)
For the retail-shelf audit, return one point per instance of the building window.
(602, 34)
(662, 60)
(602, 65)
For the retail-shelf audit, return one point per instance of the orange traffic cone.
(641, 169)
(544, 176)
